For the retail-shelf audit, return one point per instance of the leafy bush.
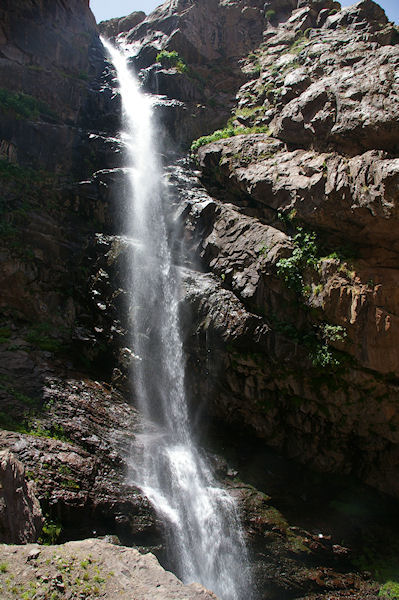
(304, 255)
(323, 356)
(172, 59)
(228, 132)
(50, 533)
(333, 333)
(390, 590)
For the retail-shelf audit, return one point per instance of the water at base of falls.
(204, 535)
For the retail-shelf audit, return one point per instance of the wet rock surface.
(73, 436)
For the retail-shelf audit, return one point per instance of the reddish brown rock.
(21, 518)
(328, 165)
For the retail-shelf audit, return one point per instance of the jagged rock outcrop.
(210, 38)
(74, 436)
(90, 568)
(113, 27)
(301, 240)
(21, 518)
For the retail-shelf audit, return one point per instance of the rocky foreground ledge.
(90, 568)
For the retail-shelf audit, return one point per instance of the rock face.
(113, 27)
(210, 38)
(54, 115)
(90, 568)
(298, 233)
(74, 436)
(21, 518)
(288, 270)
(44, 50)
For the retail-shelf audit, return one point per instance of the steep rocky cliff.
(302, 236)
(287, 249)
(56, 418)
(296, 238)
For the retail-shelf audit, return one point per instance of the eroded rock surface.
(91, 568)
(21, 518)
(299, 232)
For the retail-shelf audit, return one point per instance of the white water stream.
(204, 535)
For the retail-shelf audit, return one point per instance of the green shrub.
(50, 533)
(324, 356)
(56, 432)
(390, 590)
(228, 132)
(172, 59)
(269, 14)
(304, 255)
(333, 333)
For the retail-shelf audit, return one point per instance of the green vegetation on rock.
(296, 270)
(42, 337)
(50, 533)
(304, 256)
(228, 132)
(22, 105)
(172, 59)
(390, 590)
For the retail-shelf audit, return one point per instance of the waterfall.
(204, 535)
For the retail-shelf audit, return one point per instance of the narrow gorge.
(198, 301)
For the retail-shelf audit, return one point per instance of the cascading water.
(204, 533)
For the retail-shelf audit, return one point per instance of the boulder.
(21, 518)
(93, 567)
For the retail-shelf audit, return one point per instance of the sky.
(391, 8)
(104, 9)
